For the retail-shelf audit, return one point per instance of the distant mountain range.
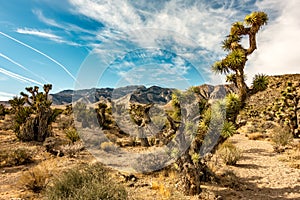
(135, 93)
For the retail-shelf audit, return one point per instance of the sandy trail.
(261, 172)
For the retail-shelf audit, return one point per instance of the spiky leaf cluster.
(260, 82)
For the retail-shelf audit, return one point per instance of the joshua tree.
(237, 57)
(33, 115)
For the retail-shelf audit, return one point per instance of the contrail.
(50, 58)
(18, 77)
(22, 66)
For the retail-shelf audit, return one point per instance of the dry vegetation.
(262, 161)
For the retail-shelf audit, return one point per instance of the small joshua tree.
(33, 115)
(236, 59)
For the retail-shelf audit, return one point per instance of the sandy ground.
(258, 175)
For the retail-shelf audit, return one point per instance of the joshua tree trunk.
(241, 84)
(190, 175)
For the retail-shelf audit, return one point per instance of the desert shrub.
(3, 111)
(86, 183)
(35, 179)
(229, 153)
(260, 82)
(108, 146)
(72, 134)
(281, 136)
(15, 157)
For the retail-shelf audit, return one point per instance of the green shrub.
(72, 134)
(229, 153)
(86, 183)
(260, 82)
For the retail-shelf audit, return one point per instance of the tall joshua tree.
(236, 59)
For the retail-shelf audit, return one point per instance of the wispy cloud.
(41, 53)
(46, 20)
(4, 96)
(193, 29)
(19, 77)
(39, 33)
(64, 26)
(45, 34)
(205, 23)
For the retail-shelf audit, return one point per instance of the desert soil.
(258, 175)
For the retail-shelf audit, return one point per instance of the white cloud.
(192, 19)
(183, 26)
(278, 42)
(39, 33)
(64, 26)
(46, 20)
(22, 66)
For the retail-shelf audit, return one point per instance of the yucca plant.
(260, 82)
(228, 130)
(233, 106)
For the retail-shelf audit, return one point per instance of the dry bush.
(86, 182)
(160, 186)
(229, 153)
(255, 136)
(36, 178)
(281, 137)
(108, 147)
(14, 157)
(292, 157)
(66, 122)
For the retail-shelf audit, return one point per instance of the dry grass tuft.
(229, 153)
(15, 157)
(255, 136)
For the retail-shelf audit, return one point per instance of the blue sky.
(172, 43)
